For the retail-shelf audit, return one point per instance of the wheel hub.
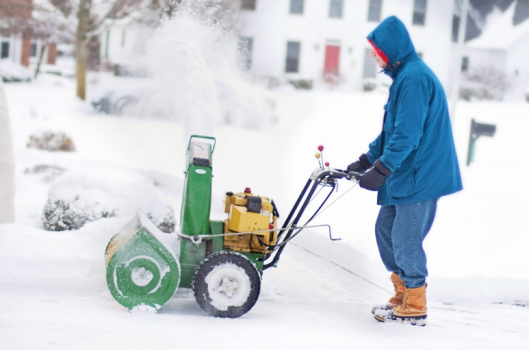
(141, 277)
(228, 286)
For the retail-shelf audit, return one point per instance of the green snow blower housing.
(222, 261)
(142, 272)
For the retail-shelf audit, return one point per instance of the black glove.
(373, 179)
(360, 166)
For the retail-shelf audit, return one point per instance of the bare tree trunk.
(80, 49)
(42, 49)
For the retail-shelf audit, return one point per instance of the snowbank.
(14, 72)
(78, 197)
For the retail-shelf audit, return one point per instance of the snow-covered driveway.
(311, 301)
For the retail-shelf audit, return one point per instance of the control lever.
(351, 174)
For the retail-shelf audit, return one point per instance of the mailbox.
(477, 130)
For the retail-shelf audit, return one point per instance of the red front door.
(332, 60)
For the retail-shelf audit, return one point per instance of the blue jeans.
(400, 231)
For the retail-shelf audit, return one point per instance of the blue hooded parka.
(416, 142)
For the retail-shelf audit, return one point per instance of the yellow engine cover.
(243, 221)
(240, 220)
(241, 243)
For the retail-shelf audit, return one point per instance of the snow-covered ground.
(53, 291)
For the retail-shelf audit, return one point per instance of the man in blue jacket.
(412, 163)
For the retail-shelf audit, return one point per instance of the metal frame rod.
(287, 226)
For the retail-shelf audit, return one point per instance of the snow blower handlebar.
(319, 177)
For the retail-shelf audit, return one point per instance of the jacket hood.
(392, 38)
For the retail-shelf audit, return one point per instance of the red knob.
(326, 163)
(247, 190)
(320, 148)
(270, 227)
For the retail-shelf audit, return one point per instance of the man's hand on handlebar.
(360, 166)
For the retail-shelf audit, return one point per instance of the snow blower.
(222, 261)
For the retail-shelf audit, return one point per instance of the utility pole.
(459, 53)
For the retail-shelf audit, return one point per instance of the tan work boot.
(413, 304)
(412, 310)
(395, 300)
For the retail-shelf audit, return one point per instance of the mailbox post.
(477, 130)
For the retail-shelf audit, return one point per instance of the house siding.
(516, 61)
(315, 29)
(271, 26)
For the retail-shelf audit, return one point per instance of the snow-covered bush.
(60, 215)
(48, 173)
(50, 141)
(14, 72)
(369, 84)
(76, 198)
(63, 67)
(268, 81)
(483, 83)
(301, 84)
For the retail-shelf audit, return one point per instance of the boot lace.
(404, 298)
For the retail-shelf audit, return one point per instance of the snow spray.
(194, 61)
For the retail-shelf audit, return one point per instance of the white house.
(25, 51)
(124, 43)
(20, 48)
(11, 48)
(501, 50)
(316, 39)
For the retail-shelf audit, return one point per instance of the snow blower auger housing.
(222, 261)
(142, 272)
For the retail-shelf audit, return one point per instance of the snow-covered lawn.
(53, 288)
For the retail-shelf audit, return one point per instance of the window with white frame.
(293, 53)
(4, 51)
(370, 65)
(33, 52)
(248, 4)
(123, 37)
(336, 9)
(245, 51)
(106, 43)
(464, 64)
(419, 12)
(375, 10)
(296, 7)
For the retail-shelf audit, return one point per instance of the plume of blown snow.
(186, 56)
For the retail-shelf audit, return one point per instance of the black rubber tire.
(223, 265)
